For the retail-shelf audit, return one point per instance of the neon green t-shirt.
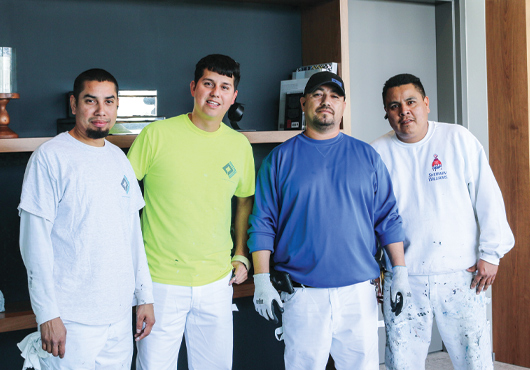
(190, 177)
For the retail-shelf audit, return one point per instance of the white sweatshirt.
(452, 208)
(80, 235)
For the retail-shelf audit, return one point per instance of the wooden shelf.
(124, 141)
(244, 290)
(19, 315)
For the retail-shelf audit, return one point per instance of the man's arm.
(262, 232)
(145, 316)
(261, 260)
(243, 210)
(37, 253)
(140, 155)
(496, 237)
(395, 253)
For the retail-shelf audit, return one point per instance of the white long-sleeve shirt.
(80, 235)
(452, 208)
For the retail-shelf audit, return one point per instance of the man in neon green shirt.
(192, 165)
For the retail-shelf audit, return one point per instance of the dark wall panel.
(146, 45)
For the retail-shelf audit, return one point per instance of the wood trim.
(263, 137)
(299, 3)
(21, 145)
(244, 290)
(508, 109)
(321, 33)
(124, 141)
(19, 315)
(345, 64)
(325, 39)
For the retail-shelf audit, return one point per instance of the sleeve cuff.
(259, 242)
(494, 260)
(42, 317)
(143, 297)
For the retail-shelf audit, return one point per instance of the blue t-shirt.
(319, 206)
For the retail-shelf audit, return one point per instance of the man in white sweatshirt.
(81, 240)
(456, 231)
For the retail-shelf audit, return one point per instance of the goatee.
(96, 134)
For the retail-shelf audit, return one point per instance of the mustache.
(325, 107)
(98, 119)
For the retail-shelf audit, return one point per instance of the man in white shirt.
(81, 241)
(456, 231)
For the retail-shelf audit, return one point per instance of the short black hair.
(218, 63)
(403, 79)
(95, 74)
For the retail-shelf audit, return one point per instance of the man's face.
(95, 110)
(407, 112)
(323, 109)
(214, 94)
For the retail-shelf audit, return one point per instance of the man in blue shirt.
(322, 198)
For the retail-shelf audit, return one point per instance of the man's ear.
(192, 88)
(302, 103)
(73, 104)
(235, 96)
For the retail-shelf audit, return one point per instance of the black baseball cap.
(324, 78)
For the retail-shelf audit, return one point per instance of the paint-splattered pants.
(341, 321)
(89, 347)
(460, 315)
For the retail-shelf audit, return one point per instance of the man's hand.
(400, 292)
(53, 336)
(264, 297)
(239, 274)
(485, 275)
(145, 314)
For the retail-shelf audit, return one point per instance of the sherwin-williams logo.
(436, 164)
(125, 184)
(436, 174)
(229, 169)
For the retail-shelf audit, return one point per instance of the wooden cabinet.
(324, 39)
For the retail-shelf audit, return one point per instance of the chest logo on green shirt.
(229, 169)
(125, 184)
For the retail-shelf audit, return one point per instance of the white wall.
(387, 38)
(474, 69)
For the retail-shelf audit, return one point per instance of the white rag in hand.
(31, 348)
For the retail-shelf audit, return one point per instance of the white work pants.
(460, 315)
(341, 321)
(203, 313)
(95, 347)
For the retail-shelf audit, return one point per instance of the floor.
(441, 361)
